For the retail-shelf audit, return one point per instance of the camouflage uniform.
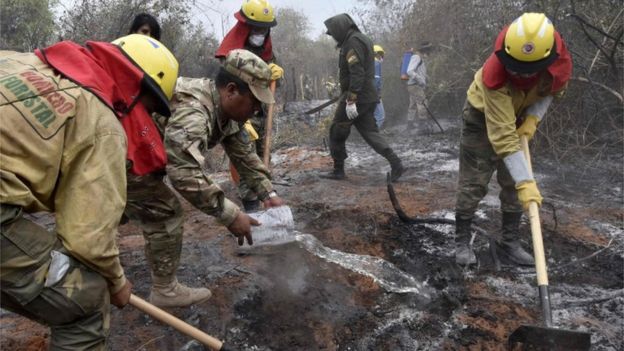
(159, 214)
(259, 124)
(193, 127)
(245, 191)
(63, 151)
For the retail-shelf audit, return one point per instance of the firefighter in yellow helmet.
(72, 118)
(253, 32)
(508, 97)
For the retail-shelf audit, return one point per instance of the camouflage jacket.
(195, 126)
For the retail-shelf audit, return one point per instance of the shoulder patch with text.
(352, 57)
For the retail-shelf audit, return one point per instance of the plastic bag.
(276, 227)
(58, 267)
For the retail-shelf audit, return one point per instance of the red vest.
(236, 39)
(104, 70)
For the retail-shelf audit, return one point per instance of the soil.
(289, 299)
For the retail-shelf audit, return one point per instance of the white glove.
(352, 111)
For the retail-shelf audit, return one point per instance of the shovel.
(544, 337)
(213, 343)
(268, 130)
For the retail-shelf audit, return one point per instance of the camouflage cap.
(252, 70)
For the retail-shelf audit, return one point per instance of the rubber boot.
(511, 244)
(464, 254)
(168, 292)
(396, 165)
(337, 173)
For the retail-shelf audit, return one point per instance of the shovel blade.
(544, 338)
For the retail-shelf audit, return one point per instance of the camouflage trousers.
(477, 163)
(76, 308)
(156, 209)
(365, 124)
(417, 99)
(244, 191)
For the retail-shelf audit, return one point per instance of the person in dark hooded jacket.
(359, 96)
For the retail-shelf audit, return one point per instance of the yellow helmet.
(529, 44)
(156, 61)
(258, 13)
(378, 49)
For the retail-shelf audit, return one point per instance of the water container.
(276, 227)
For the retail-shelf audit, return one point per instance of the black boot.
(396, 166)
(464, 254)
(511, 244)
(337, 173)
(251, 205)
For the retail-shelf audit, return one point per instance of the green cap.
(252, 70)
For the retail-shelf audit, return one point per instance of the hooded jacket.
(356, 60)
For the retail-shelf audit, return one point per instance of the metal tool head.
(532, 337)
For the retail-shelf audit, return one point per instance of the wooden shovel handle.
(268, 130)
(536, 229)
(175, 322)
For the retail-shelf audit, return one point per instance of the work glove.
(528, 127)
(352, 111)
(528, 192)
(277, 72)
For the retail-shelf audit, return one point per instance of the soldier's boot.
(252, 205)
(511, 244)
(337, 173)
(168, 292)
(396, 165)
(464, 254)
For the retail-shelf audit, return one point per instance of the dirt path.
(288, 299)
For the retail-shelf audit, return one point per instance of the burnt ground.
(285, 298)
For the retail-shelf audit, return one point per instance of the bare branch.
(613, 92)
(584, 22)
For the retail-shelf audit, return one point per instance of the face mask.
(256, 40)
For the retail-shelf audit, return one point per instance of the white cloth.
(518, 167)
(539, 108)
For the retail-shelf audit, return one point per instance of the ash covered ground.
(287, 298)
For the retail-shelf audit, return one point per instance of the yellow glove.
(253, 135)
(277, 72)
(528, 192)
(528, 127)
